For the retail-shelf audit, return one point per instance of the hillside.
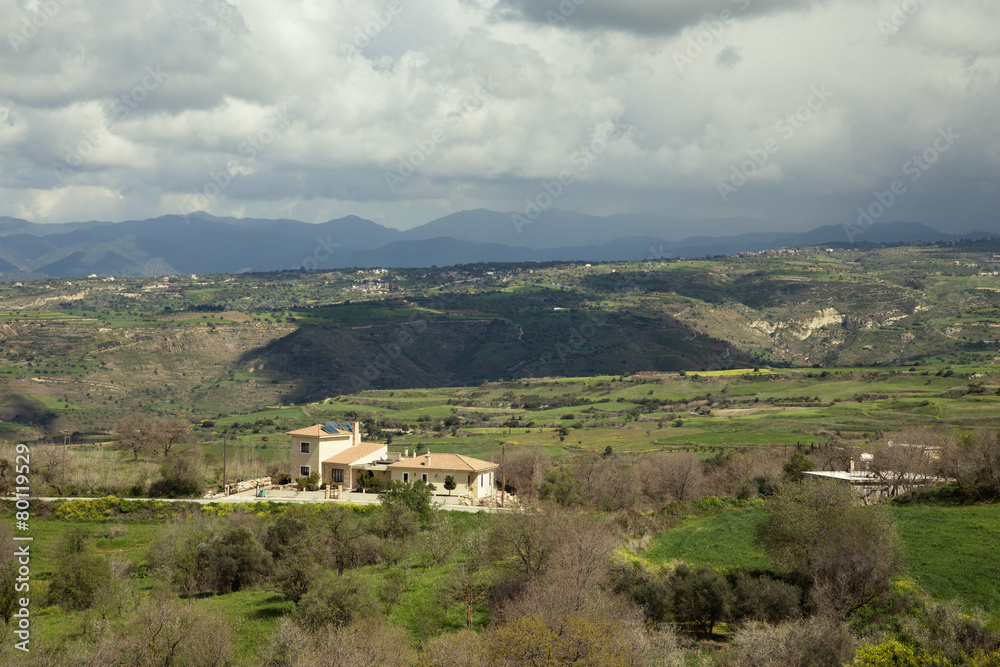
(201, 345)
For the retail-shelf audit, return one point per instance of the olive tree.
(845, 552)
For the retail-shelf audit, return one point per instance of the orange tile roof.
(352, 454)
(445, 462)
(315, 432)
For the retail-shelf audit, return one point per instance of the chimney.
(850, 469)
(355, 433)
(427, 458)
(406, 453)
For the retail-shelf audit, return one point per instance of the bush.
(765, 599)
(334, 601)
(415, 496)
(817, 642)
(79, 581)
(701, 596)
(236, 560)
(115, 531)
(167, 632)
(947, 628)
(646, 589)
(180, 477)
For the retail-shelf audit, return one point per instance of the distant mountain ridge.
(203, 243)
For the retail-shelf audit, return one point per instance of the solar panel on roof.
(346, 427)
(331, 427)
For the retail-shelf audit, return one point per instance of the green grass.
(954, 552)
(723, 541)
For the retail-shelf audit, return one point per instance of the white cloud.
(364, 82)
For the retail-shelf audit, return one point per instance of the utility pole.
(503, 472)
(62, 486)
(225, 484)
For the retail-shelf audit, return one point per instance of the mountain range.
(203, 243)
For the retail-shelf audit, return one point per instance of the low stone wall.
(236, 487)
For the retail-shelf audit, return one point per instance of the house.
(474, 478)
(872, 484)
(347, 466)
(335, 451)
(330, 449)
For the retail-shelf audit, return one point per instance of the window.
(423, 477)
(338, 476)
(406, 477)
(304, 448)
(304, 471)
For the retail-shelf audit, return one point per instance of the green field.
(952, 552)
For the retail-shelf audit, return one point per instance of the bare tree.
(165, 632)
(906, 460)
(524, 468)
(469, 585)
(668, 477)
(135, 434)
(170, 433)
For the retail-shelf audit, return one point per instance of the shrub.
(115, 530)
(416, 496)
(817, 642)
(236, 560)
(167, 632)
(79, 581)
(765, 599)
(334, 601)
(702, 597)
(646, 589)
(180, 477)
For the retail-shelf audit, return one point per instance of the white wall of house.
(319, 450)
(472, 484)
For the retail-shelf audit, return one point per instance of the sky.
(790, 112)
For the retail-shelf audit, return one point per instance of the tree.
(668, 477)
(702, 596)
(167, 632)
(766, 599)
(334, 601)
(79, 580)
(469, 585)
(905, 460)
(845, 552)
(170, 433)
(416, 496)
(796, 465)
(135, 434)
(233, 562)
(449, 484)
